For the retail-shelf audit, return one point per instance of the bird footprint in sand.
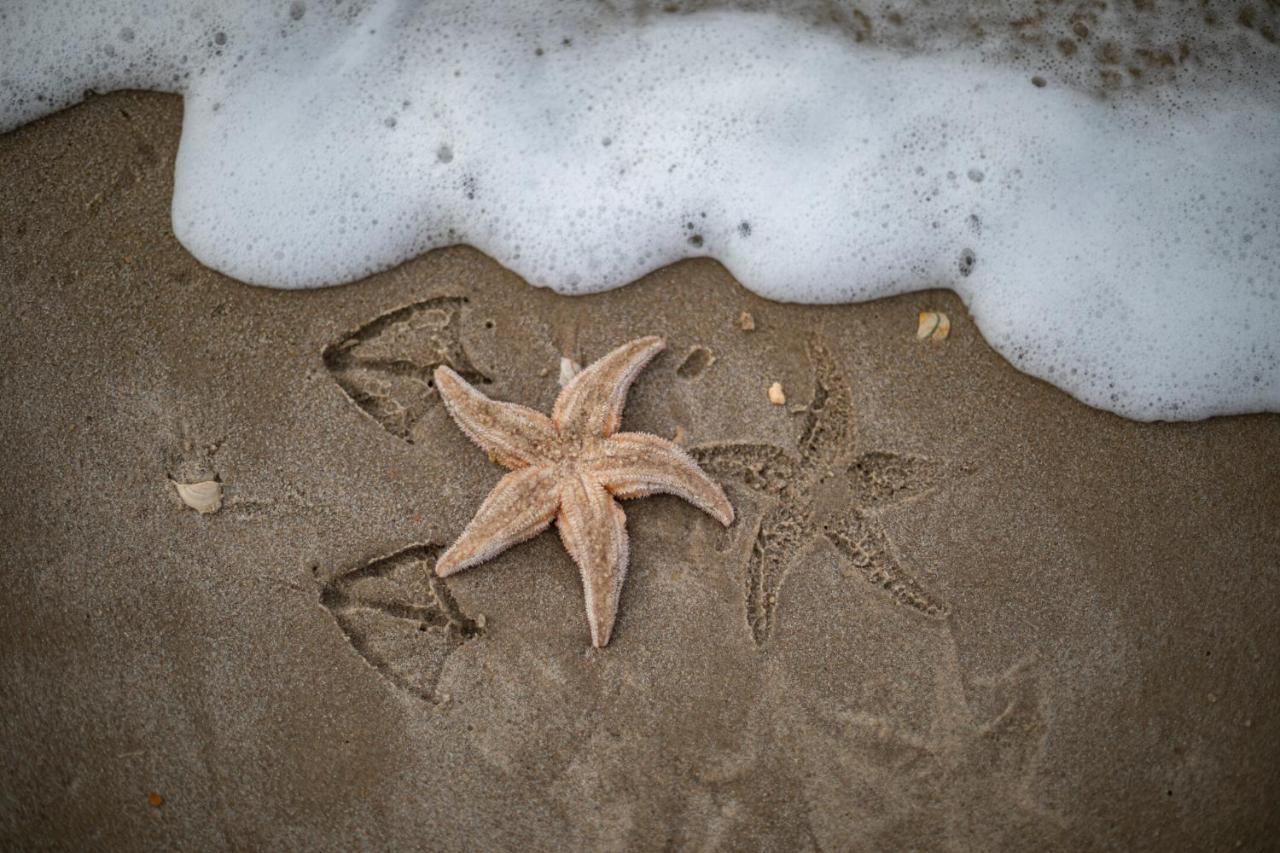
(385, 367)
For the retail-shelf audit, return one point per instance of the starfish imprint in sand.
(569, 468)
(823, 489)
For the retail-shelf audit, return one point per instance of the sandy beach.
(988, 618)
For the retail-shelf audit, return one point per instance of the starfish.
(569, 468)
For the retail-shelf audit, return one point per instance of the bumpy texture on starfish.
(569, 468)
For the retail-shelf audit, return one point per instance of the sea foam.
(1124, 248)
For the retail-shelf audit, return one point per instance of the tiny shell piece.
(204, 497)
(933, 325)
(776, 396)
(568, 369)
(746, 322)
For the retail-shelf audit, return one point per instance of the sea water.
(1118, 240)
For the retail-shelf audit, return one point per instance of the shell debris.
(568, 369)
(776, 395)
(746, 322)
(932, 325)
(204, 497)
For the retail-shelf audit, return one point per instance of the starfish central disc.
(572, 468)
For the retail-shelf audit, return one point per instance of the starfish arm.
(865, 545)
(591, 404)
(593, 529)
(880, 479)
(829, 423)
(635, 464)
(519, 507)
(760, 467)
(514, 436)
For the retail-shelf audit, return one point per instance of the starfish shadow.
(823, 489)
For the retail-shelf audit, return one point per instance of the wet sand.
(972, 614)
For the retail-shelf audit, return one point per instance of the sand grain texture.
(1102, 669)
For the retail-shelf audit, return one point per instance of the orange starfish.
(570, 467)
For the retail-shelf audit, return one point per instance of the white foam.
(1124, 249)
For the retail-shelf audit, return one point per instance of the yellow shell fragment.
(746, 322)
(776, 396)
(933, 325)
(204, 497)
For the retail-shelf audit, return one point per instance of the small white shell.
(568, 369)
(933, 325)
(776, 395)
(204, 497)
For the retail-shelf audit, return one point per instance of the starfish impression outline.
(571, 468)
(824, 489)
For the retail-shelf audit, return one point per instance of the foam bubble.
(1122, 248)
